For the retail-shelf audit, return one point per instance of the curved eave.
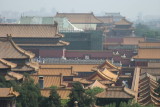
(141, 99)
(14, 93)
(7, 63)
(26, 53)
(34, 66)
(110, 65)
(63, 42)
(108, 76)
(130, 92)
(58, 35)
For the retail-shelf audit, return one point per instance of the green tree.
(29, 93)
(93, 92)
(54, 99)
(78, 94)
(144, 31)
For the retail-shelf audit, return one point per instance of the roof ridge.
(9, 64)
(90, 13)
(5, 24)
(27, 53)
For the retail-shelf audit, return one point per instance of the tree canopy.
(144, 31)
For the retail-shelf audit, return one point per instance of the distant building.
(145, 83)
(105, 75)
(116, 16)
(147, 52)
(34, 37)
(130, 43)
(122, 28)
(78, 38)
(88, 40)
(85, 21)
(16, 58)
(115, 94)
(63, 24)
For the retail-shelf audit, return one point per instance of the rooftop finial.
(9, 37)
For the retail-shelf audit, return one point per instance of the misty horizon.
(131, 9)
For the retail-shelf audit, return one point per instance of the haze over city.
(129, 8)
(79, 53)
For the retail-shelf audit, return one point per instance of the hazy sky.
(128, 8)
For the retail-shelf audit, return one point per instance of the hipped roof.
(116, 92)
(9, 50)
(148, 53)
(105, 74)
(108, 65)
(123, 21)
(149, 44)
(30, 30)
(79, 17)
(63, 93)
(96, 83)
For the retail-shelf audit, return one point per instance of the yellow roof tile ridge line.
(9, 64)
(105, 76)
(111, 73)
(110, 64)
(32, 66)
(29, 54)
(129, 91)
(96, 18)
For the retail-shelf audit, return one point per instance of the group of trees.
(83, 98)
(30, 95)
(144, 31)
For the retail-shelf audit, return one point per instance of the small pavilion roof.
(8, 92)
(96, 83)
(104, 74)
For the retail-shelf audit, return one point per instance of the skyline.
(129, 8)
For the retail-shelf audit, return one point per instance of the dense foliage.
(29, 93)
(54, 99)
(144, 31)
(94, 91)
(78, 94)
